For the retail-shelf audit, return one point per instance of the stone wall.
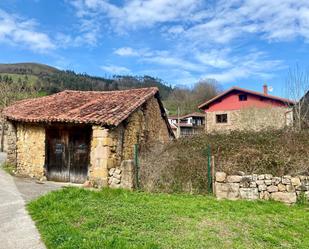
(123, 176)
(145, 126)
(11, 144)
(105, 154)
(3, 135)
(250, 119)
(30, 150)
(253, 187)
(133, 133)
(111, 148)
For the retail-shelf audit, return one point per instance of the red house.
(242, 109)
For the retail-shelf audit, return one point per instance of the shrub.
(181, 165)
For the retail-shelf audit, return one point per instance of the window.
(221, 118)
(242, 97)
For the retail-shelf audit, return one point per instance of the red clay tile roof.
(286, 101)
(102, 108)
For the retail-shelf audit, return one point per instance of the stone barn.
(79, 136)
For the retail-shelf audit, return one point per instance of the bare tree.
(205, 89)
(297, 85)
(9, 93)
(187, 99)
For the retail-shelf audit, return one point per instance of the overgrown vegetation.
(79, 218)
(187, 100)
(297, 89)
(10, 169)
(302, 200)
(182, 165)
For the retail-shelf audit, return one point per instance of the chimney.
(265, 89)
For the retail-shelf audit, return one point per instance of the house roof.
(102, 108)
(267, 96)
(194, 114)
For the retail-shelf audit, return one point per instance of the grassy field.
(79, 218)
(15, 77)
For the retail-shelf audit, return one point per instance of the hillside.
(51, 80)
(48, 80)
(27, 68)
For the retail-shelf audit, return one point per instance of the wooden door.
(57, 156)
(79, 155)
(67, 151)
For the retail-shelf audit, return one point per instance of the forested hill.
(51, 80)
(48, 80)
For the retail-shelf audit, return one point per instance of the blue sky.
(244, 43)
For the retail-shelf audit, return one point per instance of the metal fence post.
(136, 163)
(209, 170)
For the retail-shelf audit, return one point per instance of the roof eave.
(204, 105)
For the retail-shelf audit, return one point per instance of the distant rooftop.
(260, 94)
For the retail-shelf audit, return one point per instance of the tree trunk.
(299, 116)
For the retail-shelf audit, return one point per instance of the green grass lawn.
(79, 218)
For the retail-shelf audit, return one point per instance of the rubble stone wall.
(250, 119)
(4, 130)
(30, 150)
(123, 176)
(265, 187)
(11, 143)
(145, 126)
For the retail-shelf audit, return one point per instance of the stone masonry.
(4, 129)
(111, 147)
(123, 176)
(102, 156)
(30, 150)
(11, 144)
(249, 119)
(253, 187)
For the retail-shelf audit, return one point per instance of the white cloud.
(17, 31)
(171, 61)
(221, 64)
(218, 64)
(271, 20)
(126, 51)
(67, 40)
(214, 58)
(113, 69)
(204, 38)
(139, 13)
(218, 22)
(177, 29)
(159, 57)
(255, 65)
